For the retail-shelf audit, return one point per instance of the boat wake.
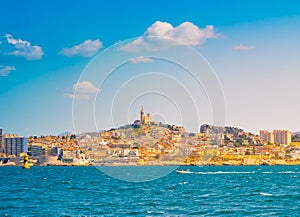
(232, 172)
(288, 172)
(266, 194)
(223, 172)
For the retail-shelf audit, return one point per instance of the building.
(37, 150)
(9, 136)
(266, 136)
(283, 137)
(15, 145)
(54, 151)
(145, 119)
(1, 141)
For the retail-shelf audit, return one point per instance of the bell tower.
(142, 115)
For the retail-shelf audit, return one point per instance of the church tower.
(142, 115)
(145, 119)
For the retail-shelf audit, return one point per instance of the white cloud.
(243, 47)
(87, 48)
(77, 96)
(82, 90)
(186, 33)
(85, 87)
(24, 48)
(141, 59)
(5, 70)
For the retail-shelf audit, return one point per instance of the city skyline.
(254, 56)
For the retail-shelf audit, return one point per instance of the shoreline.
(156, 165)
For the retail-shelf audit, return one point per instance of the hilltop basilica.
(145, 119)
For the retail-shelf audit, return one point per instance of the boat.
(184, 171)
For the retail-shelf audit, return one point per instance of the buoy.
(25, 164)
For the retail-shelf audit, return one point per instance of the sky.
(47, 49)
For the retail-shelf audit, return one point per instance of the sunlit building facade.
(15, 145)
(266, 136)
(282, 137)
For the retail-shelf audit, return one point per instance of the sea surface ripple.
(207, 191)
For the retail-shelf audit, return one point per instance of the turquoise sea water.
(210, 191)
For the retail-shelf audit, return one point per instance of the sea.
(205, 191)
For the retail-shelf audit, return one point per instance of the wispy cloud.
(141, 59)
(82, 90)
(186, 33)
(87, 48)
(85, 87)
(243, 47)
(77, 96)
(24, 48)
(5, 70)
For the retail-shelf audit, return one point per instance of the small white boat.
(184, 171)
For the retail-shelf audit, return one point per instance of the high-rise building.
(266, 136)
(15, 145)
(1, 141)
(282, 137)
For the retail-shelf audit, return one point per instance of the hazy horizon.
(253, 48)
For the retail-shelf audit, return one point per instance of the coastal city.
(147, 142)
(157, 108)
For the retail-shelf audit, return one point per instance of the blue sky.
(255, 56)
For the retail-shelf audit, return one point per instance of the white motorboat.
(184, 171)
